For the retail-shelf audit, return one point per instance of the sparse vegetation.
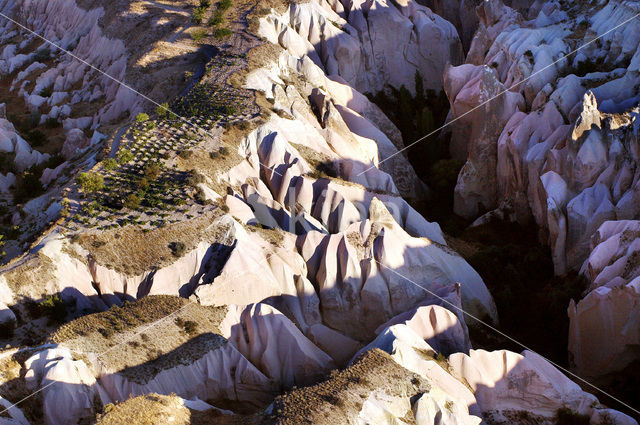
(90, 182)
(132, 201)
(42, 54)
(125, 156)
(110, 164)
(217, 19)
(178, 249)
(162, 110)
(152, 172)
(198, 15)
(225, 4)
(565, 416)
(46, 91)
(198, 34)
(220, 33)
(54, 307)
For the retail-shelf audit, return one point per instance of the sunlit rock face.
(371, 45)
(317, 260)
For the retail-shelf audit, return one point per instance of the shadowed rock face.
(564, 154)
(306, 254)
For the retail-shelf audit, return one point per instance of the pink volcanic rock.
(505, 381)
(271, 342)
(438, 326)
(75, 141)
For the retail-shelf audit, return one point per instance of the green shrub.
(185, 154)
(189, 326)
(162, 110)
(142, 183)
(7, 328)
(198, 34)
(195, 178)
(205, 4)
(30, 186)
(90, 182)
(34, 119)
(46, 91)
(152, 172)
(198, 15)
(221, 33)
(216, 19)
(110, 164)
(52, 123)
(54, 308)
(178, 249)
(42, 54)
(565, 416)
(125, 156)
(444, 174)
(225, 4)
(36, 138)
(142, 117)
(132, 201)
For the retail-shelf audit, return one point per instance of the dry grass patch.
(141, 339)
(156, 409)
(133, 251)
(341, 396)
(33, 274)
(148, 409)
(274, 236)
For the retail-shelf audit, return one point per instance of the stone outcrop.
(566, 157)
(353, 41)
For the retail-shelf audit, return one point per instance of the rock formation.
(260, 258)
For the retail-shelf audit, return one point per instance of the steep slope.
(559, 148)
(243, 241)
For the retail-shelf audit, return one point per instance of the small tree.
(152, 172)
(132, 201)
(142, 117)
(90, 182)
(198, 15)
(177, 248)
(162, 110)
(142, 183)
(66, 204)
(125, 156)
(54, 308)
(110, 164)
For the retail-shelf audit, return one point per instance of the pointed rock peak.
(590, 116)
(378, 213)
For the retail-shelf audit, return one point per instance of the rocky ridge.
(297, 264)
